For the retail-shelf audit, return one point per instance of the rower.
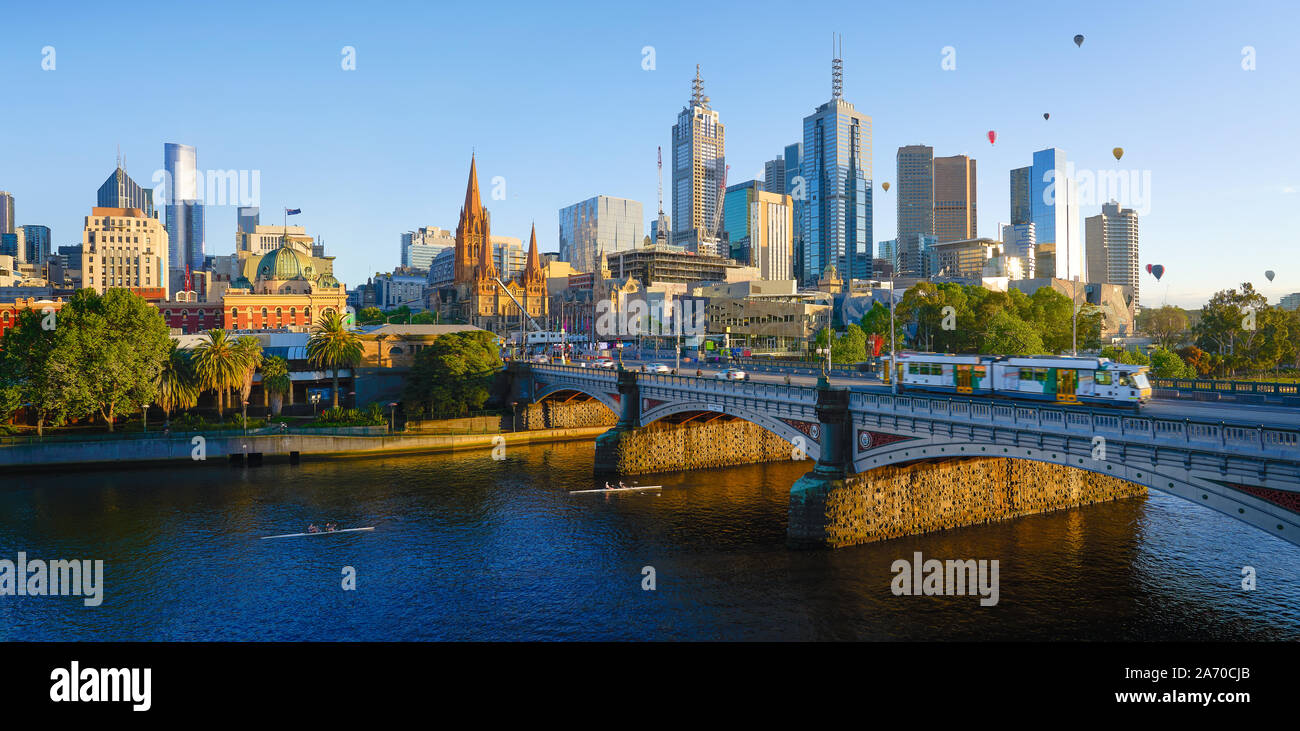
(621, 485)
(608, 486)
(313, 529)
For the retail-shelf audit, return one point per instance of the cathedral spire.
(472, 201)
(534, 260)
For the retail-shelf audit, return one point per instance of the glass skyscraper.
(38, 243)
(184, 207)
(120, 191)
(798, 192)
(596, 226)
(915, 190)
(735, 217)
(1045, 195)
(836, 167)
(699, 169)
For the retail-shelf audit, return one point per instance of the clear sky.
(555, 100)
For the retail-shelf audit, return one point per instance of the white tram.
(1061, 379)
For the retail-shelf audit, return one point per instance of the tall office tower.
(836, 166)
(796, 188)
(774, 175)
(120, 191)
(421, 246)
(954, 198)
(1044, 195)
(699, 170)
(602, 224)
(915, 184)
(123, 248)
(14, 243)
(6, 213)
(247, 219)
(38, 243)
(1112, 238)
(771, 235)
(735, 217)
(184, 207)
(1018, 240)
(887, 250)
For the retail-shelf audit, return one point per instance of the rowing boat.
(617, 489)
(320, 533)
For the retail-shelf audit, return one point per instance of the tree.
(123, 344)
(38, 367)
(1009, 335)
(275, 380)
(1167, 364)
(370, 316)
(249, 349)
(217, 362)
(453, 374)
(1226, 320)
(851, 347)
(1166, 325)
(334, 347)
(876, 322)
(1197, 360)
(1129, 357)
(178, 383)
(424, 318)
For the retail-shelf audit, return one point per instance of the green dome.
(328, 281)
(285, 263)
(241, 283)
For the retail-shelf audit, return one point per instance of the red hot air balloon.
(1158, 271)
(993, 137)
(1148, 268)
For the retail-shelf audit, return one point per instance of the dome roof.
(285, 263)
(241, 283)
(328, 280)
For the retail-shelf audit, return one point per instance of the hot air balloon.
(1148, 268)
(885, 185)
(1157, 271)
(1269, 274)
(1118, 152)
(1046, 115)
(993, 137)
(1078, 40)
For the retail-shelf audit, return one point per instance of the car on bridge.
(732, 374)
(603, 363)
(657, 368)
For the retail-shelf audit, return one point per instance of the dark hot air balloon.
(1046, 115)
(993, 137)
(1158, 271)
(1078, 40)
(1269, 274)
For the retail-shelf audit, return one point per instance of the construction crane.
(522, 309)
(717, 209)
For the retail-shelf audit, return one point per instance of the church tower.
(473, 233)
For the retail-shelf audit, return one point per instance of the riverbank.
(178, 449)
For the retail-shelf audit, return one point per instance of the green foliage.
(1009, 335)
(1167, 325)
(851, 347)
(333, 346)
(963, 319)
(453, 375)
(335, 416)
(424, 318)
(1168, 364)
(275, 375)
(876, 322)
(178, 382)
(1245, 332)
(1120, 355)
(370, 316)
(219, 362)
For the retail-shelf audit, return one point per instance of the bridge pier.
(609, 445)
(807, 526)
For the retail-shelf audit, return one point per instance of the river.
(469, 548)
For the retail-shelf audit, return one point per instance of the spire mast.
(837, 66)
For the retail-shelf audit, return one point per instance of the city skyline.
(547, 162)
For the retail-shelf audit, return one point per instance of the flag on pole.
(292, 211)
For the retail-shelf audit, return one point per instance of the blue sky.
(554, 99)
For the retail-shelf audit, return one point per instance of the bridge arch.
(549, 392)
(1237, 495)
(806, 441)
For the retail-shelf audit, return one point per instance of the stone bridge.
(1248, 471)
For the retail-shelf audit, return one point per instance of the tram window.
(1102, 378)
(911, 369)
(1125, 380)
(979, 371)
(1026, 374)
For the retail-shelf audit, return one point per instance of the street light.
(245, 417)
(392, 407)
(314, 398)
(146, 418)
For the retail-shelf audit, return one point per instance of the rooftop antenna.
(837, 66)
(697, 90)
(119, 155)
(661, 236)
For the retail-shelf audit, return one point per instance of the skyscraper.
(38, 243)
(120, 191)
(954, 198)
(774, 175)
(184, 207)
(797, 189)
(248, 217)
(6, 213)
(699, 171)
(771, 235)
(915, 191)
(1112, 238)
(836, 166)
(421, 246)
(599, 225)
(1044, 195)
(735, 217)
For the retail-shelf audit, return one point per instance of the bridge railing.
(1224, 436)
(1210, 390)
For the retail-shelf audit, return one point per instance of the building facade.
(954, 198)
(421, 246)
(37, 242)
(124, 248)
(7, 223)
(184, 208)
(1043, 194)
(771, 236)
(600, 224)
(699, 174)
(120, 191)
(1112, 245)
(914, 185)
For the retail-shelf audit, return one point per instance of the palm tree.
(219, 364)
(333, 346)
(178, 384)
(250, 357)
(275, 381)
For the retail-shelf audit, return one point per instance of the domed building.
(286, 288)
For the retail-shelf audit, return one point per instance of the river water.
(469, 548)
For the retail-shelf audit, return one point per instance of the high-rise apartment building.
(699, 171)
(774, 175)
(914, 186)
(954, 198)
(6, 213)
(38, 243)
(1112, 244)
(184, 206)
(599, 225)
(120, 191)
(124, 248)
(771, 235)
(836, 166)
(1043, 194)
(421, 246)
